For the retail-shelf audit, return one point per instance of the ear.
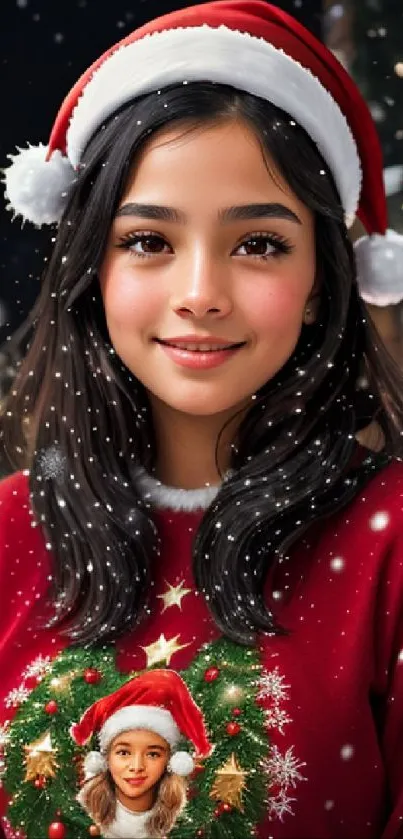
(312, 306)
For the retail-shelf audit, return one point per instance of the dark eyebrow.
(244, 212)
(252, 211)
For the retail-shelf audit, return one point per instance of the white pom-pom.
(181, 763)
(94, 764)
(380, 268)
(35, 188)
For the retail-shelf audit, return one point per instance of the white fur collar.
(173, 498)
(127, 825)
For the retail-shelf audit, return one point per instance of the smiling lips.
(136, 782)
(199, 352)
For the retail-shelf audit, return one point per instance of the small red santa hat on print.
(255, 47)
(158, 701)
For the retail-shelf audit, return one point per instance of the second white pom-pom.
(181, 763)
(380, 268)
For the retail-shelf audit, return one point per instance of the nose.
(136, 763)
(202, 287)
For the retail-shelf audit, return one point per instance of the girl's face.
(137, 760)
(207, 250)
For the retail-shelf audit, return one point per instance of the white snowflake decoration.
(280, 806)
(271, 686)
(4, 735)
(283, 768)
(38, 668)
(276, 717)
(17, 697)
(284, 773)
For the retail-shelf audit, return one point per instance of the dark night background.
(46, 44)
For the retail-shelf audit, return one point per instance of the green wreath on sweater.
(43, 766)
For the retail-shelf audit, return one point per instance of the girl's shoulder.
(377, 508)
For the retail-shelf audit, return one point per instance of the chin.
(203, 408)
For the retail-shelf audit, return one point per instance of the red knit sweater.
(334, 684)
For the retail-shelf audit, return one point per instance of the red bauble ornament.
(211, 674)
(57, 830)
(40, 782)
(218, 812)
(233, 728)
(92, 676)
(51, 707)
(225, 807)
(236, 712)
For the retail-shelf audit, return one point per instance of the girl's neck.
(186, 447)
(142, 804)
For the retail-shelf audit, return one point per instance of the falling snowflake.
(337, 563)
(347, 751)
(38, 668)
(276, 717)
(17, 697)
(52, 463)
(379, 521)
(271, 686)
(283, 768)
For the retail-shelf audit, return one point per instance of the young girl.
(134, 786)
(186, 416)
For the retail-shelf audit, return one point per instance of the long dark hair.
(81, 422)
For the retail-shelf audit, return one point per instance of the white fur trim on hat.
(380, 268)
(181, 763)
(148, 717)
(224, 56)
(38, 189)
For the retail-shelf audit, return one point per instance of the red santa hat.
(250, 45)
(158, 701)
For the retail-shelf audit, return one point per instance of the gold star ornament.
(229, 783)
(174, 594)
(162, 650)
(40, 758)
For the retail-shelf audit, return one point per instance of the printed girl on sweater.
(191, 492)
(134, 786)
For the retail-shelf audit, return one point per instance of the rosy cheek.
(129, 301)
(281, 304)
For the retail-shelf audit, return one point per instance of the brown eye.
(264, 246)
(151, 244)
(256, 246)
(144, 244)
